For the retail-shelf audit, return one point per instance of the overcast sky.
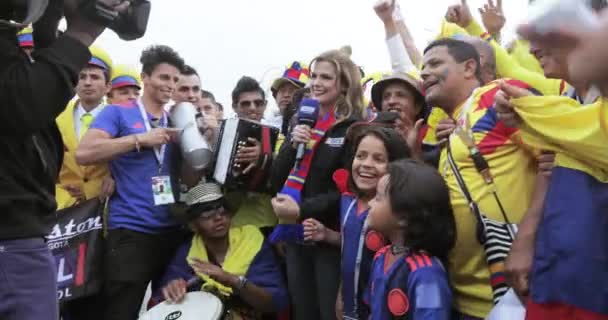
(227, 39)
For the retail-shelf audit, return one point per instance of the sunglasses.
(219, 212)
(248, 103)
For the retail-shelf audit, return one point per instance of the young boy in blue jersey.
(412, 210)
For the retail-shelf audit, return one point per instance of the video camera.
(129, 24)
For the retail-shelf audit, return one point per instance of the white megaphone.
(194, 146)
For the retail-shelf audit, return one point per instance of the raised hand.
(493, 17)
(83, 28)
(459, 14)
(285, 208)
(384, 9)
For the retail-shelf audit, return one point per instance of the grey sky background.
(225, 40)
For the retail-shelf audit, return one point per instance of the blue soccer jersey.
(414, 287)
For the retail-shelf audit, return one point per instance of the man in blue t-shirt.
(134, 138)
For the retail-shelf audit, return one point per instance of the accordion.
(234, 133)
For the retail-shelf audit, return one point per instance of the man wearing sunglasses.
(249, 103)
(236, 263)
(249, 99)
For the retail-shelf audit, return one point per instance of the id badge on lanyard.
(352, 210)
(161, 184)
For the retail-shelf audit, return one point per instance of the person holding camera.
(32, 95)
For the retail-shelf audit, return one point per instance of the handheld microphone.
(307, 115)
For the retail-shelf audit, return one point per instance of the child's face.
(370, 164)
(123, 95)
(380, 216)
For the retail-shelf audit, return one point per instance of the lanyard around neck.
(159, 153)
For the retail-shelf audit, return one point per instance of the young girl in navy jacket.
(412, 210)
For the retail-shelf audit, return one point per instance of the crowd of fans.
(472, 170)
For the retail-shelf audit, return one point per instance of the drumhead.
(195, 306)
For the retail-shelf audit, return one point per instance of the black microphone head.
(308, 112)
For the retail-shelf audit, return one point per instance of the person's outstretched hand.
(493, 17)
(384, 9)
(459, 14)
(83, 28)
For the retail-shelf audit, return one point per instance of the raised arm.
(562, 125)
(400, 56)
(577, 134)
(408, 41)
(493, 18)
(506, 65)
(34, 94)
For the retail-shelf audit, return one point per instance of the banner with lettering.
(76, 242)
